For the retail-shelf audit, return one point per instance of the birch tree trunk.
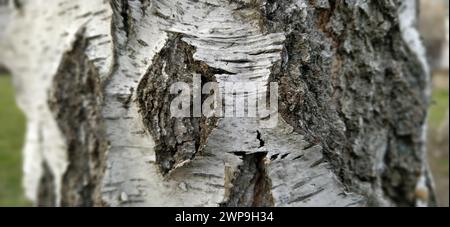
(93, 77)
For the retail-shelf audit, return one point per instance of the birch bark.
(92, 78)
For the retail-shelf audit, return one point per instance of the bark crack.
(125, 17)
(250, 184)
(259, 138)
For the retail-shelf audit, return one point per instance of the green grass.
(444, 166)
(439, 107)
(12, 128)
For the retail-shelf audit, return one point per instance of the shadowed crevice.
(251, 186)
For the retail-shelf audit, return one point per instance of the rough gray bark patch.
(75, 101)
(349, 82)
(177, 140)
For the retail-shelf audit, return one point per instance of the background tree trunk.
(92, 77)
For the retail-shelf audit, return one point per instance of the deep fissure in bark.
(124, 11)
(251, 187)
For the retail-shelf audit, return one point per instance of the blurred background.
(434, 26)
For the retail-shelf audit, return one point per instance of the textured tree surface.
(93, 78)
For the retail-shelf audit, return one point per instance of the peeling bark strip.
(75, 101)
(177, 139)
(353, 97)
